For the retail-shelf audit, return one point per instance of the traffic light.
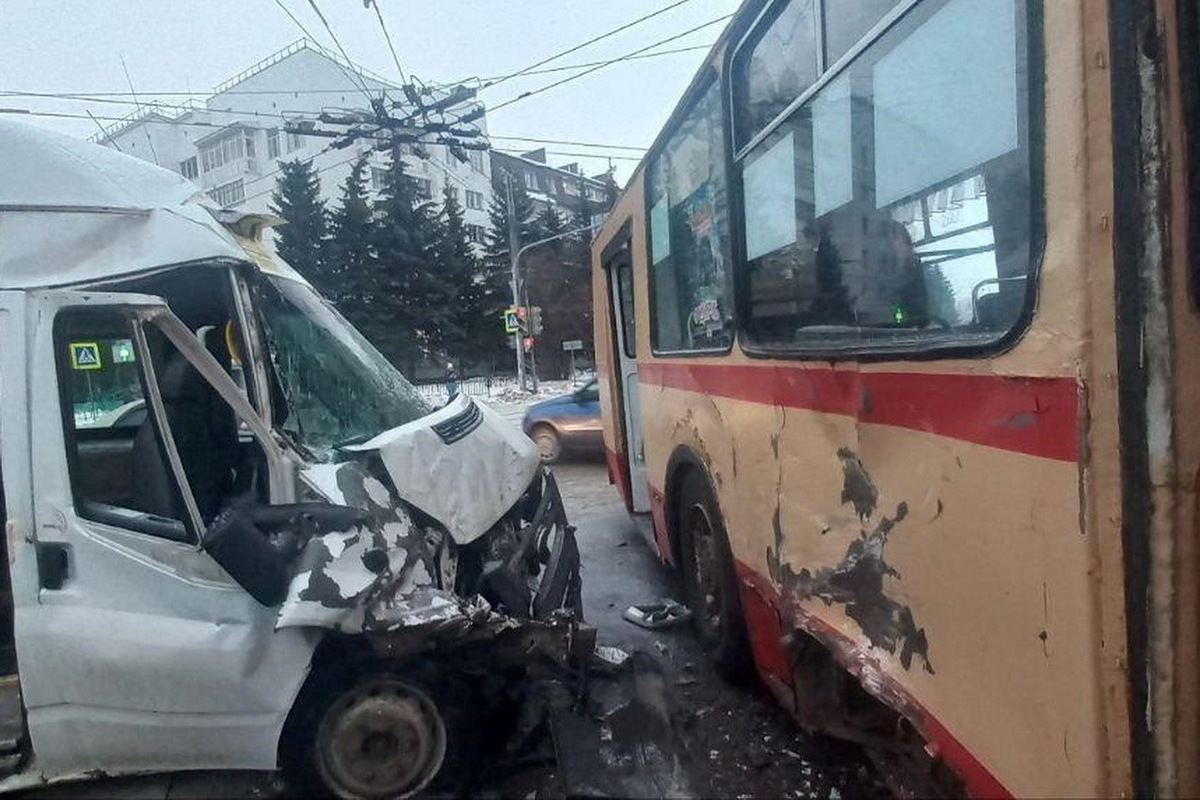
(535, 321)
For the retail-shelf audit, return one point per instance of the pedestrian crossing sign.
(512, 321)
(85, 355)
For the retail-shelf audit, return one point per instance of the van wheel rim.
(384, 738)
(704, 568)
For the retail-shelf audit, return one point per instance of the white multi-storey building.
(233, 143)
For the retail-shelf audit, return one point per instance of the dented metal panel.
(466, 485)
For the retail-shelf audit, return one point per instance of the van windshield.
(339, 390)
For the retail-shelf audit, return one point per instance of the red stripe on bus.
(757, 588)
(1036, 416)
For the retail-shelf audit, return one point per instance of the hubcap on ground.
(704, 566)
(384, 738)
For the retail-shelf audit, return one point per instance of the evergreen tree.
(297, 198)
(941, 300)
(456, 262)
(349, 255)
(495, 273)
(412, 298)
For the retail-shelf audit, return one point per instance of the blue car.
(570, 423)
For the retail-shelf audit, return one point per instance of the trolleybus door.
(620, 281)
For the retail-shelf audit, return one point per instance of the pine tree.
(297, 198)
(349, 254)
(412, 297)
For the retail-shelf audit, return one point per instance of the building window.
(691, 281)
(189, 169)
(476, 159)
(531, 180)
(424, 189)
(476, 233)
(226, 149)
(378, 179)
(295, 141)
(890, 212)
(474, 199)
(452, 191)
(571, 188)
(594, 194)
(273, 143)
(229, 194)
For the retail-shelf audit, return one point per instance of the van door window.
(114, 449)
(120, 470)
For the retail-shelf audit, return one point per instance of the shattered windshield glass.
(339, 390)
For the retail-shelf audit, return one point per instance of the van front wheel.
(374, 732)
(382, 738)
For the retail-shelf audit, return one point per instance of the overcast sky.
(76, 46)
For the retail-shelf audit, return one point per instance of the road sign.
(570, 345)
(512, 323)
(85, 355)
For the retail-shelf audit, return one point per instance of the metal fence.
(474, 387)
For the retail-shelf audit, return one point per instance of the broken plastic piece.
(657, 615)
(612, 656)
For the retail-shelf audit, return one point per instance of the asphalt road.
(720, 740)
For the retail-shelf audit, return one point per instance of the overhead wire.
(593, 40)
(567, 142)
(100, 97)
(603, 64)
(349, 74)
(337, 42)
(388, 37)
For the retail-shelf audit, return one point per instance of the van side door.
(136, 650)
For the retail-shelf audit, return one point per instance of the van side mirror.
(240, 540)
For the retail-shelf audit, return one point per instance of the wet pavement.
(678, 729)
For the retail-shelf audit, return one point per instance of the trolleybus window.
(691, 280)
(891, 210)
(782, 64)
(846, 23)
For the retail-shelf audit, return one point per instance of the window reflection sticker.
(945, 98)
(660, 231)
(769, 184)
(832, 147)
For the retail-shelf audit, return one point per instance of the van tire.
(350, 698)
(709, 581)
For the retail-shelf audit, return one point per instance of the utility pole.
(514, 254)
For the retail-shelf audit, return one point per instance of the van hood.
(464, 465)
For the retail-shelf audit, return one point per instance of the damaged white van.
(236, 536)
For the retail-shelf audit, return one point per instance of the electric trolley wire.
(349, 74)
(109, 97)
(388, 37)
(603, 64)
(87, 115)
(574, 155)
(329, 29)
(566, 142)
(575, 48)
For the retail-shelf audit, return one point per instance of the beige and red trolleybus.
(900, 351)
